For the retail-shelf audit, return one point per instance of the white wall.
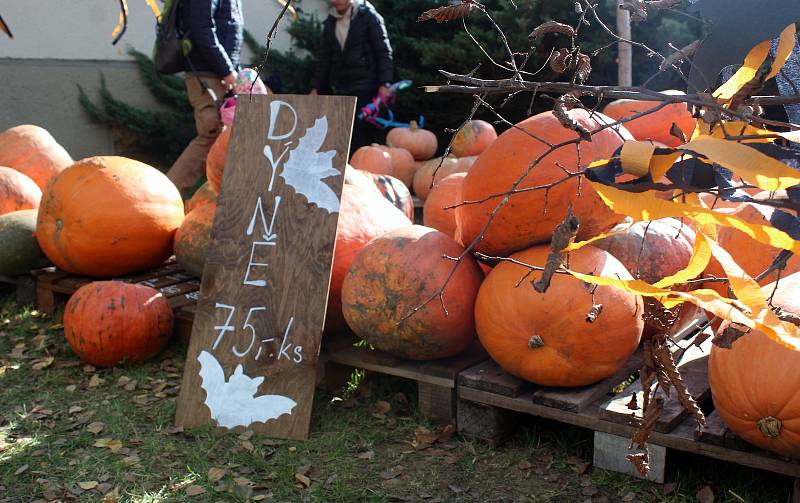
(81, 29)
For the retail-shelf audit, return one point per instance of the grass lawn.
(71, 432)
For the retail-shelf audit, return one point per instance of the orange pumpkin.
(446, 193)
(545, 338)
(204, 195)
(754, 383)
(524, 221)
(215, 161)
(363, 216)
(403, 165)
(108, 216)
(397, 272)
(33, 151)
(651, 250)
(17, 191)
(753, 257)
(372, 159)
(655, 126)
(473, 138)
(424, 178)
(193, 238)
(110, 322)
(421, 143)
(396, 192)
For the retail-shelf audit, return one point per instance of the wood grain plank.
(489, 376)
(273, 237)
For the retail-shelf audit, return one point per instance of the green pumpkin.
(20, 251)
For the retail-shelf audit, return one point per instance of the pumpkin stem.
(535, 342)
(770, 426)
(412, 125)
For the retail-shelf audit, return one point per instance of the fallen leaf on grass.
(629, 497)
(247, 445)
(43, 363)
(88, 485)
(195, 490)
(366, 455)
(381, 407)
(22, 469)
(71, 388)
(261, 497)
(109, 443)
(131, 460)
(525, 465)
(391, 473)
(95, 381)
(95, 427)
(705, 495)
(455, 489)
(74, 409)
(242, 481)
(216, 474)
(104, 487)
(446, 433)
(303, 480)
(247, 435)
(18, 351)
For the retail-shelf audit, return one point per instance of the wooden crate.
(436, 379)
(54, 287)
(490, 403)
(23, 287)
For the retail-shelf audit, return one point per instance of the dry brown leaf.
(195, 490)
(88, 485)
(382, 407)
(446, 434)
(123, 380)
(95, 381)
(705, 495)
(22, 469)
(366, 455)
(391, 473)
(109, 443)
(525, 465)
(247, 445)
(215, 474)
(303, 480)
(447, 13)
(95, 427)
(552, 27)
(43, 363)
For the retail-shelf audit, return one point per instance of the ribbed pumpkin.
(403, 165)
(363, 216)
(372, 159)
(473, 138)
(545, 338)
(193, 238)
(523, 221)
(753, 257)
(425, 173)
(215, 161)
(655, 126)
(110, 322)
(465, 163)
(17, 191)
(107, 216)
(397, 272)
(446, 193)
(651, 250)
(754, 383)
(421, 143)
(33, 151)
(20, 252)
(204, 195)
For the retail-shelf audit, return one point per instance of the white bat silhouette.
(306, 167)
(233, 403)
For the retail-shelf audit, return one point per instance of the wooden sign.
(256, 336)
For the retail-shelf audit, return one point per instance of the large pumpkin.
(473, 138)
(754, 383)
(396, 192)
(193, 238)
(752, 256)
(421, 143)
(363, 216)
(545, 338)
(107, 216)
(651, 250)
(215, 160)
(430, 172)
(372, 159)
(20, 252)
(110, 322)
(654, 126)
(446, 193)
(530, 217)
(204, 195)
(403, 165)
(396, 273)
(33, 151)
(17, 191)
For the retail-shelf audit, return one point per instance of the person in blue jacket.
(355, 59)
(215, 29)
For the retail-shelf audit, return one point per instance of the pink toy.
(246, 81)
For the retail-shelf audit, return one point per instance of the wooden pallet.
(491, 402)
(23, 288)
(54, 287)
(436, 379)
